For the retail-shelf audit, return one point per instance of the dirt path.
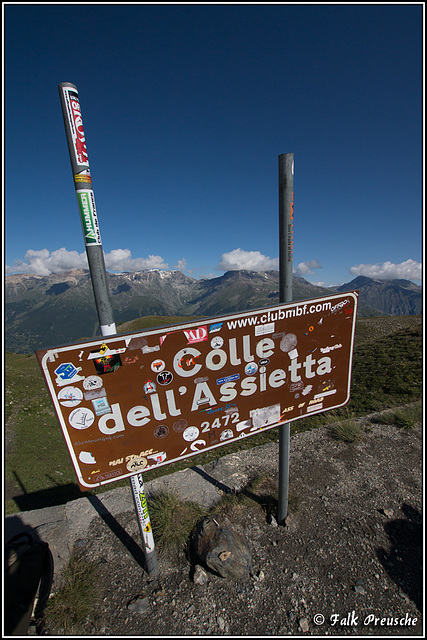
(348, 563)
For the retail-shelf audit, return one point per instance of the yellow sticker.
(79, 178)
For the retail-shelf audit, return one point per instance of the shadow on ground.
(403, 561)
(59, 494)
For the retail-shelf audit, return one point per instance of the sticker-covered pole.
(76, 140)
(286, 241)
(86, 201)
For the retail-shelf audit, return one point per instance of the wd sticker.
(200, 334)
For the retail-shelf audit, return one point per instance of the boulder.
(223, 549)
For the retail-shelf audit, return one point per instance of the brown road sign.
(131, 402)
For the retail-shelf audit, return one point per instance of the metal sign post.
(73, 122)
(286, 217)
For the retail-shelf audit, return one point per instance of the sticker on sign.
(136, 401)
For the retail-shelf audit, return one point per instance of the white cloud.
(181, 264)
(238, 259)
(44, 262)
(305, 268)
(408, 270)
(121, 260)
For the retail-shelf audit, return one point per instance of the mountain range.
(57, 309)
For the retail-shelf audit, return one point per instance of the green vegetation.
(77, 598)
(347, 431)
(402, 417)
(173, 520)
(387, 373)
(37, 460)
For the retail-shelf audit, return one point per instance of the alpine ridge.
(56, 309)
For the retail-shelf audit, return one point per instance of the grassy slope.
(387, 372)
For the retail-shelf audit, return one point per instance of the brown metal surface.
(130, 402)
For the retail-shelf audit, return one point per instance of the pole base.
(151, 564)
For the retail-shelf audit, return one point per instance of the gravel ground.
(348, 562)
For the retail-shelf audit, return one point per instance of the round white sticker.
(81, 418)
(92, 382)
(217, 342)
(251, 368)
(70, 396)
(190, 434)
(157, 366)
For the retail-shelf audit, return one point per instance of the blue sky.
(186, 109)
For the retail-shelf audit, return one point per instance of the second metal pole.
(286, 242)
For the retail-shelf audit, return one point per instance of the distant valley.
(47, 311)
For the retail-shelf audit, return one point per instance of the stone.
(272, 520)
(359, 589)
(304, 625)
(200, 576)
(223, 549)
(221, 623)
(139, 604)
